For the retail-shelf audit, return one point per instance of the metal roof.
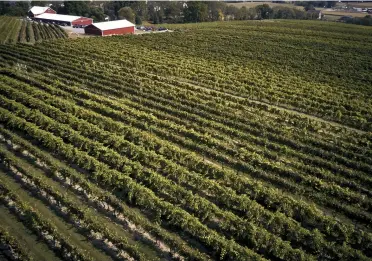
(113, 24)
(38, 9)
(58, 17)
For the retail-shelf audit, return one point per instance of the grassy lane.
(66, 229)
(36, 249)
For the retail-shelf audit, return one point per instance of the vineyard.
(220, 141)
(14, 30)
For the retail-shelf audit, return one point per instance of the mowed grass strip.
(36, 249)
(340, 13)
(69, 231)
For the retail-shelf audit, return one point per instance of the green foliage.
(367, 20)
(82, 8)
(138, 20)
(284, 13)
(264, 11)
(14, 8)
(309, 7)
(96, 14)
(196, 11)
(199, 11)
(127, 13)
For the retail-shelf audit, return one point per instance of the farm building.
(111, 28)
(38, 10)
(63, 19)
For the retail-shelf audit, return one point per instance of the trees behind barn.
(160, 11)
(127, 13)
(199, 11)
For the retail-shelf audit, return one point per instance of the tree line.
(161, 12)
(367, 20)
(197, 11)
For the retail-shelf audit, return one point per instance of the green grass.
(340, 13)
(254, 4)
(64, 228)
(35, 248)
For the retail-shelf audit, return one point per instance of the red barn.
(110, 28)
(63, 19)
(38, 10)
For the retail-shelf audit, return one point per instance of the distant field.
(253, 4)
(333, 13)
(331, 17)
(229, 141)
(13, 30)
(361, 5)
(340, 13)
